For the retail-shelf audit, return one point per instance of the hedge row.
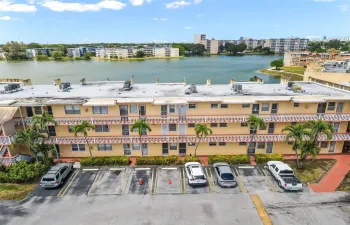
(230, 159)
(165, 160)
(105, 161)
(23, 171)
(264, 158)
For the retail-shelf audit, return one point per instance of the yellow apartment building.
(172, 110)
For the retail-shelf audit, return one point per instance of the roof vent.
(126, 86)
(237, 88)
(191, 89)
(12, 88)
(64, 86)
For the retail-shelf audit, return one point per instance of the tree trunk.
(195, 150)
(141, 145)
(88, 147)
(296, 156)
(54, 146)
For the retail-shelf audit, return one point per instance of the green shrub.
(23, 172)
(264, 158)
(187, 159)
(157, 160)
(230, 159)
(105, 161)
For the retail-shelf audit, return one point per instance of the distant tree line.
(324, 46)
(189, 49)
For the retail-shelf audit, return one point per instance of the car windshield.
(199, 177)
(48, 179)
(227, 176)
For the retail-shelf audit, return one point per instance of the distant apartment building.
(31, 53)
(74, 52)
(305, 58)
(286, 44)
(211, 46)
(131, 52)
(199, 37)
(253, 43)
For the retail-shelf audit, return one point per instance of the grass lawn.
(275, 73)
(313, 171)
(294, 69)
(345, 184)
(15, 191)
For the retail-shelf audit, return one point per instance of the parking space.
(253, 178)
(217, 188)
(80, 183)
(143, 186)
(168, 181)
(188, 189)
(109, 182)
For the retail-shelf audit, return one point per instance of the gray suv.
(224, 175)
(56, 176)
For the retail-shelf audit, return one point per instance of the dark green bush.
(264, 158)
(230, 159)
(187, 159)
(157, 160)
(105, 161)
(23, 172)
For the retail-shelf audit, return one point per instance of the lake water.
(220, 69)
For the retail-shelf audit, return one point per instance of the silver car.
(56, 176)
(224, 175)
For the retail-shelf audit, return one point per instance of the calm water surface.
(220, 69)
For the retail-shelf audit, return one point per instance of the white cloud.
(5, 18)
(177, 4)
(160, 19)
(9, 6)
(82, 7)
(139, 2)
(344, 8)
(188, 28)
(197, 1)
(200, 15)
(324, 0)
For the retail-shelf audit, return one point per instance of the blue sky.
(73, 21)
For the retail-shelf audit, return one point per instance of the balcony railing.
(196, 119)
(6, 161)
(7, 140)
(185, 139)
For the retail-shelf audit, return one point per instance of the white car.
(284, 175)
(195, 174)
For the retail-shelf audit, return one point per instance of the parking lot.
(159, 180)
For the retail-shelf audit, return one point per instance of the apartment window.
(245, 124)
(324, 144)
(245, 105)
(173, 146)
(125, 129)
(294, 123)
(212, 143)
(191, 125)
(340, 107)
(172, 109)
(214, 106)
(78, 147)
(126, 148)
(191, 144)
(224, 106)
(72, 109)
(213, 125)
(222, 143)
(296, 104)
(172, 127)
(223, 124)
(104, 147)
(290, 142)
(102, 128)
(332, 146)
(133, 109)
(136, 146)
(100, 109)
(265, 107)
(38, 110)
(263, 127)
(242, 143)
(261, 145)
(331, 106)
(70, 129)
(192, 106)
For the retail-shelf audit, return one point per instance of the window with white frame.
(172, 109)
(100, 109)
(331, 106)
(78, 147)
(223, 124)
(245, 105)
(242, 143)
(102, 128)
(173, 146)
(324, 144)
(70, 129)
(222, 143)
(104, 147)
(191, 125)
(265, 107)
(136, 146)
(336, 126)
(72, 109)
(213, 125)
(212, 143)
(261, 145)
(224, 106)
(133, 109)
(191, 106)
(38, 110)
(214, 106)
(172, 127)
(126, 148)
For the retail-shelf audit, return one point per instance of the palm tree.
(42, 121)
(201, 131)
(31, 138)
(254, 79)
(44, 149)
(83, 128)
(296, 132)
(141, 125)
(318, 127)
(254, 123)
(309, 148)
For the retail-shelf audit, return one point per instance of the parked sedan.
(224, 175)
(195, 174)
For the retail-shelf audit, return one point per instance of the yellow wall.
(8, 128)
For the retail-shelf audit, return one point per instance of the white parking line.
(142, 168)
(116, 168)
(92, 169)
(246, 167)
(169, 168)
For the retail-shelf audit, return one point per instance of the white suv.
(195, 174)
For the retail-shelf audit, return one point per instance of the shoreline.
(135, 59)
(281, 74)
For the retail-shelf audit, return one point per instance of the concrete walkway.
(335, 176)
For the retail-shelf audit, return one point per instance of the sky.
(142, 21)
